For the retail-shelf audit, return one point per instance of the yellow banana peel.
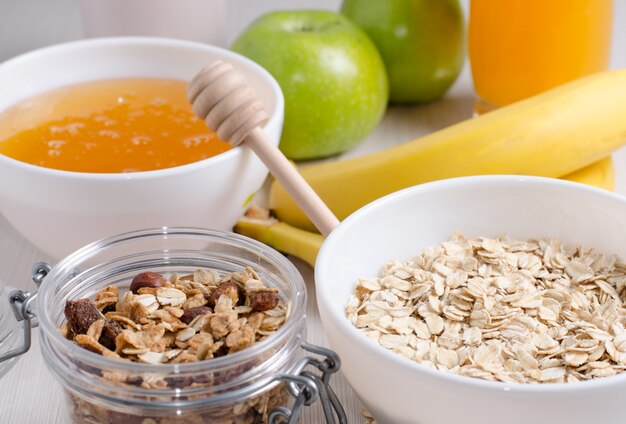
(600, 174)
(305, 244)
(552, 134)
(282, 237)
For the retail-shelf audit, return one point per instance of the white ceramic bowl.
(398, 226)
(61, 211)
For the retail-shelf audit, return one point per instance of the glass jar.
(253, 385)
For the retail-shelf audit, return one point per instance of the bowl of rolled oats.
(482, 299)
(173, 325)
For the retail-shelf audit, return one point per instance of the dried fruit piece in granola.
(263, 301)
(190, 313)
(110, 331)
(230, 289)
(80, 314)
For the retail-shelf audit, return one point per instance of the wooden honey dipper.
(221, 96)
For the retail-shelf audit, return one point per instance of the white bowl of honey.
(97, 138)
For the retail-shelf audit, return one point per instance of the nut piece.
(81, 314)
(147, 279)
(263, 301)
(231, 290)
(190, 313)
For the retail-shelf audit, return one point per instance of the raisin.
(263, 301)
(147, 279)
(109, 332)
(222, 351)
(190, 313)
(134, 380)
(178, 382)
(231, 290)
(81, 314)
(108, 308)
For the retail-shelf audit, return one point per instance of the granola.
(536, 311)
(176, 320)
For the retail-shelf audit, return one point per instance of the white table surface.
(28, 393)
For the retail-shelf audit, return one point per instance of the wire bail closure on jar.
(304, 385)
(22, 305)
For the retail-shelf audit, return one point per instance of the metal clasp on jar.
(308, 386)
(22, 305)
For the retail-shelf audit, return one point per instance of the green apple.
(330, 72)
(421, 41)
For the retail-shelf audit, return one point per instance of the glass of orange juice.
(519, 48)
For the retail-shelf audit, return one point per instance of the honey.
(108, 126)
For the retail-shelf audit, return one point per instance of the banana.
(282, 237)
(551, 134)
(305, 245)
(600, 174)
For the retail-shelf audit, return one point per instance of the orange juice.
(519, 48)
(122, 125)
